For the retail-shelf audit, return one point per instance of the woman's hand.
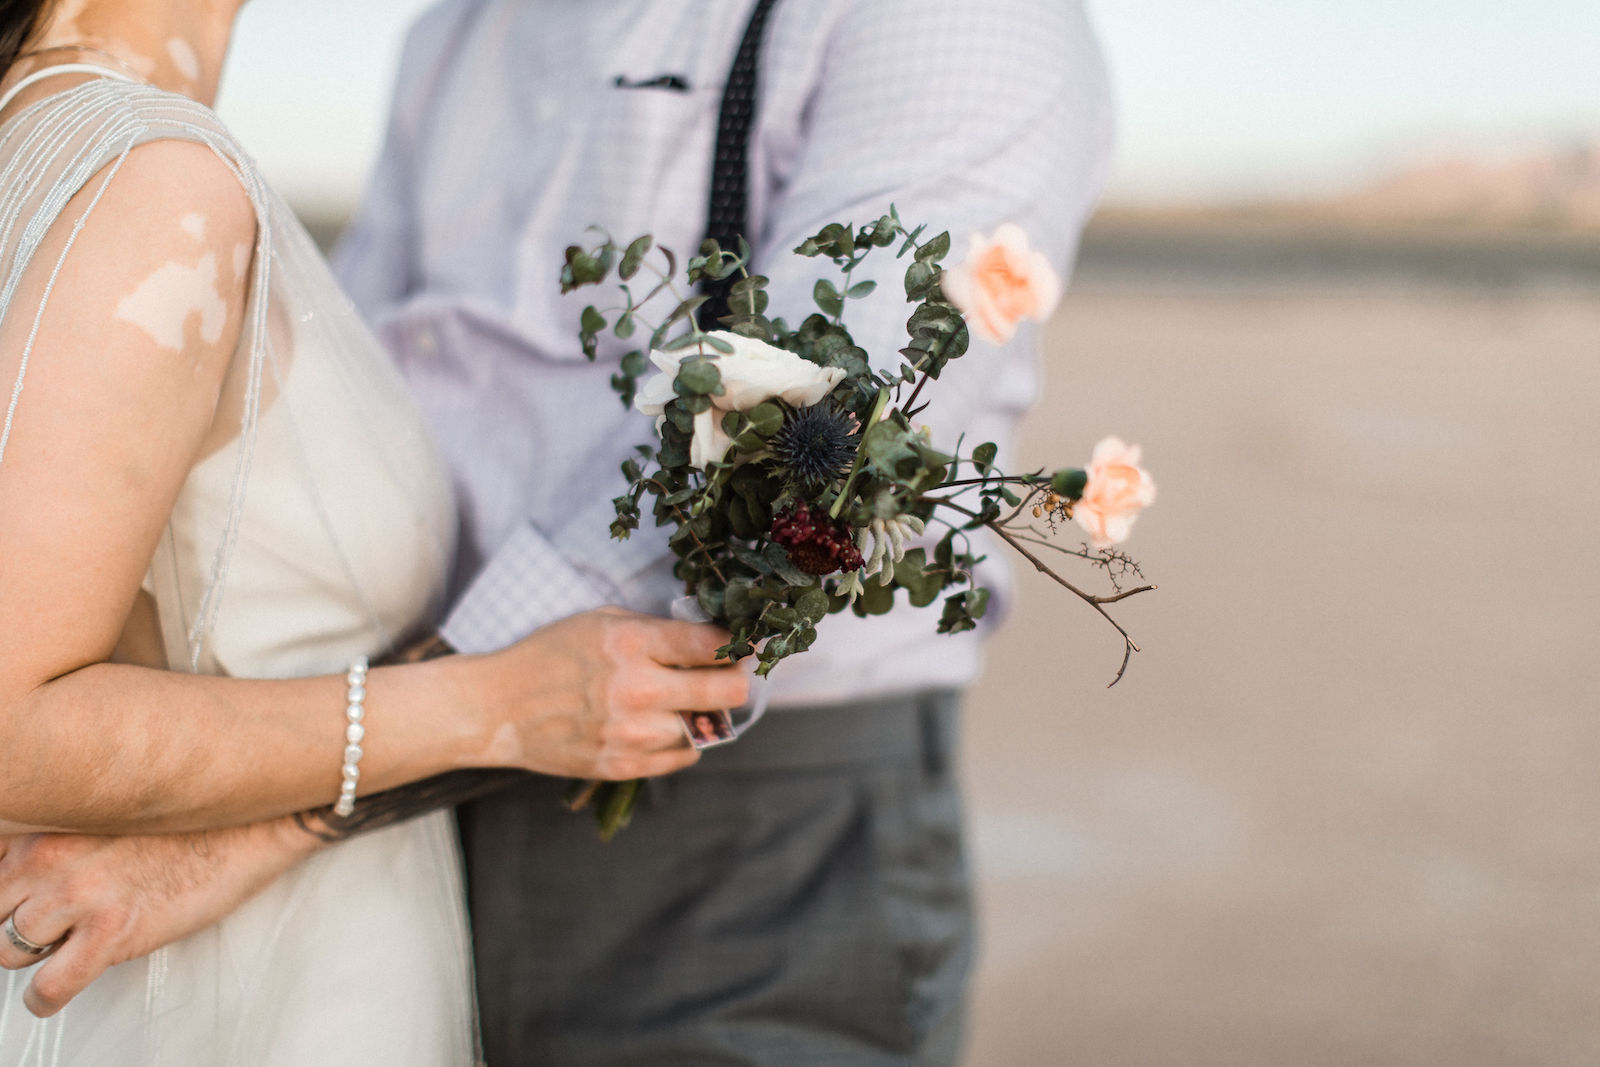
(592, 696)
(597, 695)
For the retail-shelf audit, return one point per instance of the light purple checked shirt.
(510, 135)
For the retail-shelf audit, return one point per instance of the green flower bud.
(1069, 482)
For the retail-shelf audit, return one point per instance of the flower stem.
(855, 468)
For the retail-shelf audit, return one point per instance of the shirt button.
(549, 107)
(426, 342)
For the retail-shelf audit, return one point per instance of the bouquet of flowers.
(798, 481)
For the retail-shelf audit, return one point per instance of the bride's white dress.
(319, 526)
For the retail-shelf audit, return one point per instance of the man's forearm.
(382, 810)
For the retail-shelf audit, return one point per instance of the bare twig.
(1032, 494)
(1098, 603)
(683, 519)
(912, 399)
(1001, 479)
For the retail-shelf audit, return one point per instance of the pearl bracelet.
(355, 712)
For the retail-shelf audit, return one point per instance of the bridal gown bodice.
(317, 526)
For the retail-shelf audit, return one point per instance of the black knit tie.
(726, 217)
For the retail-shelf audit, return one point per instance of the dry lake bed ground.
(1344, 809)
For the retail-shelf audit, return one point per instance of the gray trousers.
(798, 897)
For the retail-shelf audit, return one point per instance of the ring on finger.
(20, 943)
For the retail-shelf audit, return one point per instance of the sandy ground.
(1344, 808)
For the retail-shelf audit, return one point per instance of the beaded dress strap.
(60, 68)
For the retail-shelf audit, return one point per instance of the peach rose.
(1118, 488)
(1000, 283)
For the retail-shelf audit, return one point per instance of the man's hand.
(106, 900)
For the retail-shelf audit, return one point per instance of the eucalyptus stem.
(855, 468)
(844, 294)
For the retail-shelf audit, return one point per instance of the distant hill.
(1553, 191)
(1523, 223)
(1549, 190)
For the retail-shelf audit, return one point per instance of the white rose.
(753, 373)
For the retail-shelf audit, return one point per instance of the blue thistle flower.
(816, 444)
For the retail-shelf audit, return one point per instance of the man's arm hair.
(391, 807)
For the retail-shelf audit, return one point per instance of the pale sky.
(1214, 96)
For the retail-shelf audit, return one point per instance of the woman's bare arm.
(119, 397)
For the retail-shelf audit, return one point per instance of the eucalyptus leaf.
(921, 583)
(802, 638)
(710, 596)
(813, 604)
(697, 377)
(962, 611)
(582, 268)
(590, 323)
(935, 250)
(757, 326)
(889, 447)
(677, 344)
(679, 497)
(983, 456)
(766, 418)
(779, 559)
(852, 359)
(695, 404)
(738, 602)
(625, 388)
(634, 256)
(875, 599)
(781, 618)
(835, 240)
(919, 280)
(673, 455)
(679, 420)
(685, 309)
(771, 654)
(827, 297)
(911, 241)
(748, 556)
(746, 285)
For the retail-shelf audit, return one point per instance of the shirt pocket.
(636, 161)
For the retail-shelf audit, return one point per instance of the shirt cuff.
(585, 541)
(526, 585)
